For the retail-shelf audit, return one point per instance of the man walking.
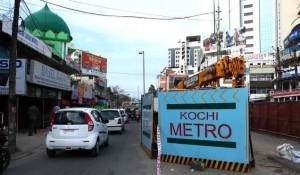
(33, 113)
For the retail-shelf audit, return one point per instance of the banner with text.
(94, 65)
(147, 121)
(210, 124)
(47, 76)
(21, 65)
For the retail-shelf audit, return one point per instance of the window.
(249, 45)
(248, 6)
(261, 77)
(248, 22)
(249, 37)
(91, 77)
(69, 118)
(248, 14)
(249, 29)
(253, 77)
(252, 91)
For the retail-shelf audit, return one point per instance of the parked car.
(77, 129)
(116, 121)
(124, 115)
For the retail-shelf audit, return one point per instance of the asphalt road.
(124, 156)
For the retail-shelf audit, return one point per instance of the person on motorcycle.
(137, 115)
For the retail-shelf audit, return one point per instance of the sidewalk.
(26, 145)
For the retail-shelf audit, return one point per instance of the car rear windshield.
(110, 115)
(70, 118)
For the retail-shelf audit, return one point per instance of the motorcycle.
(137, 118)
(4, 151)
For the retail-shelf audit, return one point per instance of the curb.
(19, 155)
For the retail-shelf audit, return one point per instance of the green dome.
(46, 20)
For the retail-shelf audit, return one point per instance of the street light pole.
(142, 52)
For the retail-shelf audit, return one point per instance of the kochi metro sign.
(206, 124)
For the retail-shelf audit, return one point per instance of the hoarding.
(235, 37)
(44, 75)
(93, 65)
(27, 38)
(210, 124)
(21, 65)
(147, 121)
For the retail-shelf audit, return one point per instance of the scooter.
(4, 151)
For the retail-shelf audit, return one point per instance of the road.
(124, 156)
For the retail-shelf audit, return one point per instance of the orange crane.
(224, 68)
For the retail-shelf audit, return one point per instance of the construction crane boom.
(225, 68)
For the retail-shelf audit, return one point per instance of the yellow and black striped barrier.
(216, 164)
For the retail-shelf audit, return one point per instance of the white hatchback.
(116, 121)
(124, 115)
(77, 129)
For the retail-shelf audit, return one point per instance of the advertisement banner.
(235, 37)
(47, 76)
(27, 38)
(101, 82)
(210, 43)
(88, 91)
(80, 90)
(93, 65)
(147, 117)
(74, 92)
(210, 124)
(21, 65)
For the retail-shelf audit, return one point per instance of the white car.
(124, 115)
(77, 129)
(116, 121)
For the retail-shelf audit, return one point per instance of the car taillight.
(51, 122)
(119, 121)
(89, 121)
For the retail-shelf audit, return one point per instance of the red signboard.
(94, 62)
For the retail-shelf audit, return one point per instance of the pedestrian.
(33, 114)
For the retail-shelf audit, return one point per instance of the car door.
(103, 127)
(97, 122)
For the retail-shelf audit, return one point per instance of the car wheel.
(96, 150)
(106, 143)
(50, 153)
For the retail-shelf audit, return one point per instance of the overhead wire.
(127, 16)
(31, 17)
(132, 73)
(128, 11)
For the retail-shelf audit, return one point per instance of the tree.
(152, 90)
(117, 96)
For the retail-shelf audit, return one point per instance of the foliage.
(152, 90)
(116, 96)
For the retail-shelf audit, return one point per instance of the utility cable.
(127, 16)
(34, 22)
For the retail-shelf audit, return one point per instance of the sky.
(121, 39)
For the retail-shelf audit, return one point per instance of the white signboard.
(46, 76)
(20, 76)
(27, 38)
(88, 92)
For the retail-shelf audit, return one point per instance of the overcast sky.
(120, 39)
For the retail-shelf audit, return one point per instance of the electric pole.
(218, 34)
(296, 66)
(12, 110)
(279, 72)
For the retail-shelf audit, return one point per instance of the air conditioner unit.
(271, 92)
